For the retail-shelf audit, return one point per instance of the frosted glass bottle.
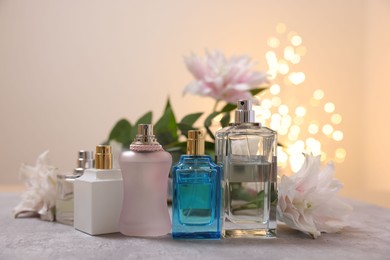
(145, 169)
(247, 152)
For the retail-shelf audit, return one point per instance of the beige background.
(70, 69)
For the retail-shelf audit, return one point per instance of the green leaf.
(191, 118)
(145, 119)
(166, 127)
(225, 120)
(228, 107)
(210, 149)
(185, 128)
(257, 91)
(187, 123)
(121, 132)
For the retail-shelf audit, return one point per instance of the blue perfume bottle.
(197, 211)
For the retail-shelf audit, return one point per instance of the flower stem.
(215, 106)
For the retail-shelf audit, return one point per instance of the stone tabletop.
(367, 237)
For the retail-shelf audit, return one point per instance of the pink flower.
(228, 79)
(308, 201)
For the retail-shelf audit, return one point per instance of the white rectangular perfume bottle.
(98, 196)
(247, 151)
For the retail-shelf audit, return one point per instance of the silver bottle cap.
(84, 161)
(145, 135)
(89, 159)
(81, 158)
(244, 112)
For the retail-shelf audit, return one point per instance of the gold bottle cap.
(195, 142)
(103, 157)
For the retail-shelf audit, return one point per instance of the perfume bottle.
(145, 169)
(98, 195)
(197, 210)
(247, 152)
(65, 196)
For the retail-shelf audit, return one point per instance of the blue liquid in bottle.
(197, 198)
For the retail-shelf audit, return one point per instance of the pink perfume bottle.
(145, 169)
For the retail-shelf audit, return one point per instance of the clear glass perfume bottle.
(197, 210)
(65, 183)
(248, 154)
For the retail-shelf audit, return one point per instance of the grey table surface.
(367, 237)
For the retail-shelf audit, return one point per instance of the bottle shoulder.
(247, 129)
(191, 161)
(157, 156)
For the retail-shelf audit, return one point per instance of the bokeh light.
(303, 128)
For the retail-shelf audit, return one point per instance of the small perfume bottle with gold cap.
(145, 170)
(98, 196)
(197, 194)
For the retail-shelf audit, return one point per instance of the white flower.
(40, 195)
(308, 201)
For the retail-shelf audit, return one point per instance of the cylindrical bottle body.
(145, 181)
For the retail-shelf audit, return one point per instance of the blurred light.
(329, 107)
(292, 137)
(280, 28)
(296, 161)
(292, 124)
(296, 59)
(276, 117)
(319, 94)
(313, 128)
(338, 135)
(286, 121)
(300, 111)
(276, 101)
(296, 40)
(295, 130)
(272, 64)
(275, 126)
(283, 67)
(327, 129)
(266, 114)
(274, 89)
(283, 109)
(336, 119)
(289, 53)
(273, 42)
(266, 103)
(283, 131)
(340, 153)
(313, 146)
(296, 77)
